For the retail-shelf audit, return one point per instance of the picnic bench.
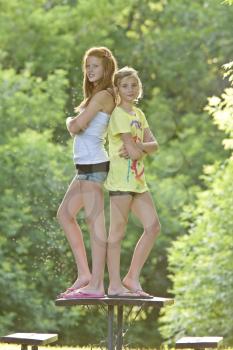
(198, 342)
(29, 339)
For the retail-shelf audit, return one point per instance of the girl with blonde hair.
(130, 140)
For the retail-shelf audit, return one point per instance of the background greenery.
(179, 48)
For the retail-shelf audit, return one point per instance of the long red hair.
(110, 66)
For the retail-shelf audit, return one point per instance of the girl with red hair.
(91, 160)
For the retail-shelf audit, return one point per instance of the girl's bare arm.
(130, 149)
(96, 104)
(149, 144)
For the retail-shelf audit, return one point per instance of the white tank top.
(88, 146)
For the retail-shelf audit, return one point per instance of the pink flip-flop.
(68, 290)
(82, 295)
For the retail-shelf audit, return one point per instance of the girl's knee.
(115, 237)
(91, 222)
(63, 215)
(118, 226)
(154, 229)
(99, 239)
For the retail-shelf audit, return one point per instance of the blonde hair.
(128, 72)
(109, 65)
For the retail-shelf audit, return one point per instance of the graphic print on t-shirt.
(136, 167)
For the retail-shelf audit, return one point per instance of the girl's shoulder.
(104, 99)
(110, 91)
(106, 96)
(141, 116)
(118, 111)
(115, 112)
(103, 94)
(139, 112)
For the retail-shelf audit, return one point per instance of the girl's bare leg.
(143, 208)
(70, 206)
(93, 200)
(119, 210)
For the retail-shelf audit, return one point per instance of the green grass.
(18, 347)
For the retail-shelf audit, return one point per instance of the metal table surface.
(111, 303)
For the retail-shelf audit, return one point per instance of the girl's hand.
(68, 120)
(123, 153)
(139, 144)
(99, 102)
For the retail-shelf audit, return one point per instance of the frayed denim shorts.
(92, 172)
(99, 176)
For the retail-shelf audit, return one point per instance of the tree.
(200, 262)
(31, 102)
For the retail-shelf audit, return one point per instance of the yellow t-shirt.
(125, 174)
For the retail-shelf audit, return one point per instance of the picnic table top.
(156, 301)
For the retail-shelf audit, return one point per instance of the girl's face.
(94, 69)
(128, 89)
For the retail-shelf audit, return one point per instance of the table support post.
(24, 347)
(119, 327)
(110, 327)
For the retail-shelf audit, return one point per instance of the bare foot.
(81, 282)
(120, 291)
(134, 286)
(131, 284)
(93, 287)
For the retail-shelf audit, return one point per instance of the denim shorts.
(99, 176)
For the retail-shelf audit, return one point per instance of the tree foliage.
(30, 102)
(201, 261)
